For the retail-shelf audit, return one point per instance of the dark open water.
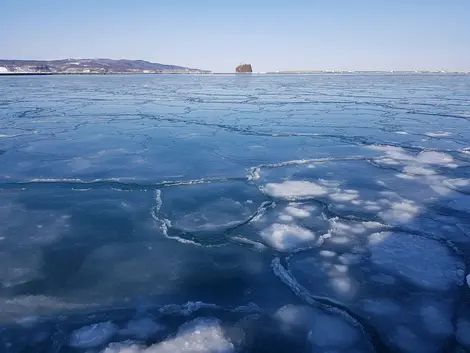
(323, 213)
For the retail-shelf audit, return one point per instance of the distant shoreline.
(234, 73)
(97, 73)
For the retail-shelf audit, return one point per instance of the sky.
(219, 34)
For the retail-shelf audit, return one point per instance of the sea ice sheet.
(425, 263)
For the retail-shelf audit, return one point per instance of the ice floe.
(326, 279)
(327, 331)
(141, 328)
(20, 266)
(437, 318)
(460, 184)
(202, 219)
(93, 335)
(408, 341)
(463, 333)
(381, 307)
(223, 214)
(424, 262)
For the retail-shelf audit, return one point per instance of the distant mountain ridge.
(90, 66)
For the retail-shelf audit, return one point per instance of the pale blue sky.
(218, 34)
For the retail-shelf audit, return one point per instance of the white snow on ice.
(418, 170)
(285, 237)
(202, 335)
(298, 212)
(399, 212)
(438, 158)
(460, 184)
(438, 134)
(292, 189)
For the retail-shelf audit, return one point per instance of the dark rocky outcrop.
(244, 68)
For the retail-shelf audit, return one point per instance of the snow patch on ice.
(350, 259)
(343, 228)
(342, 285)
(158, 200)
(296, 315)
(327, 253)
(400, 212)
(438, 158)
(346, 195)
(377, 238)
(465, 151)
(460, 184)
(204, 335)
(297, 212)
(292, 189)
(254, 174)
(405, 176)
(285, 237)
(438, 134)
(414, 165)
(418, 170)
(286, 218)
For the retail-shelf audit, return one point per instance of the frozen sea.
(250, 213)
